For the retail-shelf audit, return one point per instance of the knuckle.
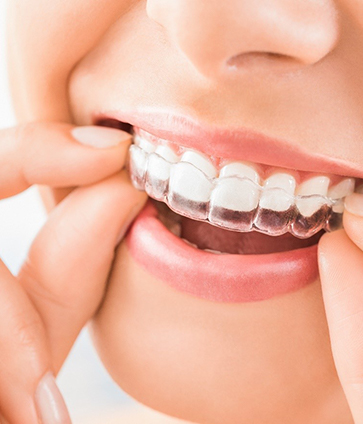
(27, 331)
(24, 327)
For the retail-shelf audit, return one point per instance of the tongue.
(206, 236)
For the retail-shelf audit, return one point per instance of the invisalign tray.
(231, 202)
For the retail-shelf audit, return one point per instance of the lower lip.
(219, 278)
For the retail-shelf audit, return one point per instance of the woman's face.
(238, 349)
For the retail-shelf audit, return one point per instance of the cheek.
(45, 46)
(200, 360)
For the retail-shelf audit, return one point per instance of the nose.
(225, 37)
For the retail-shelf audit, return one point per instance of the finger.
(353, 218)
(68, 264)
(341, 271)
(58, 155)
(24, 359)
(51, 197)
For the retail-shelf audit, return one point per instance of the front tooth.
(145, 145)
(189, 190)
(233, 203)
(200, 162)
(314, 185)
(278, 192)
(342, 189)
(240, 169)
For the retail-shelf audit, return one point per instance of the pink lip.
(237, 143)
(220, 278)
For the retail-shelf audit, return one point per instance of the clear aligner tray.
(234, 203)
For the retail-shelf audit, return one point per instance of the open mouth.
(226, 206)
(204, 236)
(264, 219)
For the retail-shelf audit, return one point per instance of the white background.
(88, 390)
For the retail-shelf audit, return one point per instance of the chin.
(215, 362)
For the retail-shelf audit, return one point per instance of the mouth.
(260, 217)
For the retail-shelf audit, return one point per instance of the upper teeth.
(200, 162)
(193, 186)
(282, 198)
(240, 169)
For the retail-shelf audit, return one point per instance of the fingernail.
(354, 204)
(100, 137)
(50, 403)
(132, 215)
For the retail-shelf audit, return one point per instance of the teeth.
(235, 194)
(309, 205)
(342, 189)
(235, 199)
(314, 185)
(313, 214)
(145, 145)
(200, 162)
(217, 252)
(167, 153)
(241, 169)
(339, 191)
(138, 164)
(282, 196)
(157, 176)
(189, 242)
(313, 210)
(233, 203)
(158, 171)
(276, 204)
(189, 190)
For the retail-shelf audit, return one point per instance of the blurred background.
(90, 394)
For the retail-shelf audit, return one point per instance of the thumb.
(68, 264)
(341, 270)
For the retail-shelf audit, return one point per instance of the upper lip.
(238, 143)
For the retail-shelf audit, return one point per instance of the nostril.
(114, 123)
(260, 59)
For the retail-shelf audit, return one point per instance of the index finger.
(59, 155)
(341, 274)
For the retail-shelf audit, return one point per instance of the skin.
(296, 358)
(45, 309)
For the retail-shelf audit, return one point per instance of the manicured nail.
(354, 204)
(100, 137)
(50, 403)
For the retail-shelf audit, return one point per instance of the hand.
(341, 272)
(61, 284)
